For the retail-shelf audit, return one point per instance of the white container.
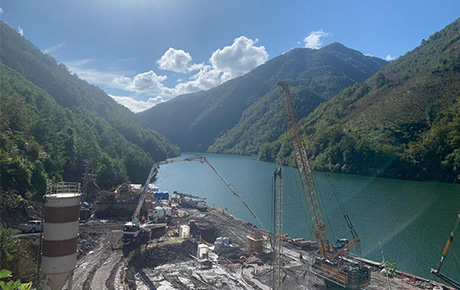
(202, 250)
(184, 231)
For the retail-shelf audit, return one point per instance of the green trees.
(403, 122)
(50, 121)
(12, 284)
(240, 115)
(16, 257)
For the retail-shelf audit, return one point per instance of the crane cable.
(354, 234)
(342, 207)
(234, 191)
(302, 202)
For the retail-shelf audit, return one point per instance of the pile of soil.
(163, 254)
(95, 233)
(88, 242)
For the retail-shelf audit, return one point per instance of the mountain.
(50, 121)
(241, 114)
(402, 122)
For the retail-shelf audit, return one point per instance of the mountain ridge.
(398, 115)
(51, 121)
(203, 121)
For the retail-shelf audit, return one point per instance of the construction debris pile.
(158, 255)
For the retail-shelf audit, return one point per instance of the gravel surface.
(169, 266)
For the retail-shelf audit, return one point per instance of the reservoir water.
(411, 220)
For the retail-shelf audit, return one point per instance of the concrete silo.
(60, 233)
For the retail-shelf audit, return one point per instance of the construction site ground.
(104, 264)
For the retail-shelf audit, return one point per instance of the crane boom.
(437, 271)
(308, 184)
(202, 159)
(153, 172)
(329, 265)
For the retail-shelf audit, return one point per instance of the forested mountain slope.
(242, 113)
(402, 122)
(50, 121)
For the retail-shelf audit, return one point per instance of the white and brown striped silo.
(60, 233)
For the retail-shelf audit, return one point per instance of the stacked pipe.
(60, 234)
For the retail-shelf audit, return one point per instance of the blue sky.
(142, 52)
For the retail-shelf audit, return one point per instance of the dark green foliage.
(263, 122)
(193, 121)
(50, 121)
(17, 256)
(241, 114)
(402, 122)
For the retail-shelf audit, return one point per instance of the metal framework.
(437, 271)
(278, 228)
(202, 159)
(329, 265)
(308, 184)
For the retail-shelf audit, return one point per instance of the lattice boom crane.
(329, 265)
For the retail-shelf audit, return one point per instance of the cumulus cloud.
(238, 58)
(54, 48)
(205, 79)
(1, 10)
(137, 106)
(389, 57)
(147, 82)
(177, 60)
(20, 31)
(225, 63)
(314, 39)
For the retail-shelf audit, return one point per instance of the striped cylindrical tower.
(60, 233)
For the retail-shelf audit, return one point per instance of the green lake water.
(410, 219)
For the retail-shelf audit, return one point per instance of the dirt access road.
(98, 267)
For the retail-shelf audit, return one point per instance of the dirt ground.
(226, 273)
(165, 265)
(98, 266)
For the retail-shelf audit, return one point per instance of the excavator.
(331, 263)
(133, 230)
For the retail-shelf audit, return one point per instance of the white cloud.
(93, 76)
(226, 63)
(177, 60)
(54, 48)
(238, 58)
(20, 31)
(205, 79)
(135, 105)
(1, 10)
(147, 82)
(314, 39)
(389, 57)
(120, 82)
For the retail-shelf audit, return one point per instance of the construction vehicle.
(191, 201)
(332, 263)
(437, 271)
(159, 213)
(133, 230)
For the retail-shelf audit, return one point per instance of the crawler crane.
(331, 264)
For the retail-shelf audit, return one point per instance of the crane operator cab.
(131, 231)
